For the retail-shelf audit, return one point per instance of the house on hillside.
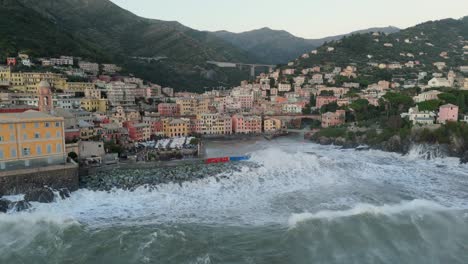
(439, 82)
(420, 117)
(448, 112)
(427, 96)
(331, 119)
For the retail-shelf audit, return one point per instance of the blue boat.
(239, 158)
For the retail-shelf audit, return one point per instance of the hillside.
(22, 29)
(423, 43)
(279, 46)
(99, 29)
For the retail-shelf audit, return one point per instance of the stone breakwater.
(130, 179)
(22, 181)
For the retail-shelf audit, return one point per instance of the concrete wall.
(20, 181)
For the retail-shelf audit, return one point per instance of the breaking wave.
(286, 179)
(359, 209)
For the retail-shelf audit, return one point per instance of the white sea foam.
(289, 179)
(36, 217)
(359, 209)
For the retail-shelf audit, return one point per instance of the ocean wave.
(34, 218)
(359, 209)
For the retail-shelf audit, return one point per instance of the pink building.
(246, 124)
(324, 100)
(11, 61)
(246, 101)
(331, 119)
(137, 131)
(448, 112)
(169, 109)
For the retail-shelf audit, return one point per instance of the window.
(26, 152)
(59, 134)
(25, 136)
(57, 124)
(36, 125)
(48, 135)
(1, 154)
(39, 150)
(49, 149)
(12, 137)
(47, 124)
(13, 153)
(23, 125)
(59, 148)
(37, 135)
(1, 139)
(11, 126)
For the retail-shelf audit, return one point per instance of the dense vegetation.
(99, 30)
(279, 46)
(424, 42)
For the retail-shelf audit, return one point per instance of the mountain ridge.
(280, 46)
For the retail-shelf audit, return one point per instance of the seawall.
(57, 177)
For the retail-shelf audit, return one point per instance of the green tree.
(448, 98)
(461, 102)
(332, 107)
(431, 105)
(396, 103)
(326, 93)
(312, 101)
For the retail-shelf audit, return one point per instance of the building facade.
(31, 139)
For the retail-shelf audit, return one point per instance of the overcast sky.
(304, 18)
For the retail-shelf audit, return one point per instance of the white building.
(292, 109)
(284, 87)
(121, 94)
(439, 82)
(420, 117)
(427, 96)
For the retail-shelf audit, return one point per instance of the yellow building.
(32, 79)
(193, 106)
(31, 139)
(5, 73)
(79, 86)
(94, 104)
(271, 125)
(28, 81)
(176, 127)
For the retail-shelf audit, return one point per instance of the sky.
(303, 18)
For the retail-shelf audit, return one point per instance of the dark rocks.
(325, 141)
(393, 144)
(464, 158)
(20, 206)
(42, 195)
(64, 193)
(4, 205)
(131, 179)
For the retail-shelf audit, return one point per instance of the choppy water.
(304, 203)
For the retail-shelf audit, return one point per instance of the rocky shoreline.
(397, 145)
(40, 195)
(133, 178)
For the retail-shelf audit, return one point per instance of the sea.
(293, 202)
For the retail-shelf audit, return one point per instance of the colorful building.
(31, 139)
(271, 125)
(212, 124)
(448, 112)
(138, 131)
(169, 109)
(331, 119)
(324, 100)
(176, 127)
(246, 124)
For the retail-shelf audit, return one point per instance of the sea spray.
(383, 207)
